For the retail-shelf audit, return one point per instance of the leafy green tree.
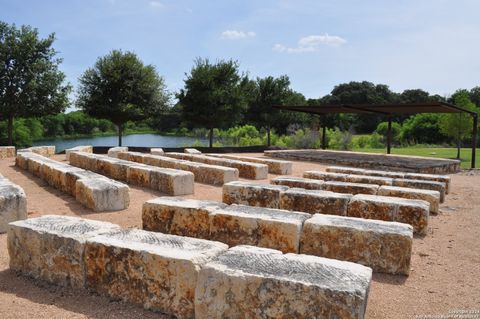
(382, 129)
(214, 95)
(475, 95)
(30, 81)
(423, 128)
(458, 125)
(120, 88)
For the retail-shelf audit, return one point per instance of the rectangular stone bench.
(383, 246)
(157, 151)
(325, 176)
(314, 201)
(170, 181)
(252, 282)
(299, 182)
(253, 194)
(408, 211)
(351, 188)
(80, 148)
(46, 151)
(246, 170)
(13, 203)
(421, 184)
(203, 173)
(433, 197)
(155, 270)
(7, 152)
(90, 189)
(52, 247)
(191, 151)
(278, 167)
(113, 152)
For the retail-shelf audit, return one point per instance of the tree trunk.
(458, 148)
(10, 130)
(120, 131)
(210, 137)
(269, 143)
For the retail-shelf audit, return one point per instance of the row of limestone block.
(13, 203)
(7, 152)
(80, 148)
(92, 190)
(203, 173)
(278, 167)
(380, 180)
(169, 181)
(383, 246)
(410, 211)
(431, 196)
(45, 150)
(186, 277)
(245, 169)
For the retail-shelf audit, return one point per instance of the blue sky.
(428, 44)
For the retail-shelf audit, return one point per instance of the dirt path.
(445, 263)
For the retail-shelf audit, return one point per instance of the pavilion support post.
(474, 138)
(324, 133)
(389, 135)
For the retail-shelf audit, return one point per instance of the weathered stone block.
(84, 160)
(351, 188)
(257, 226)
(172, 181)
(102, 194)
(136, 157)
(409, 211)
(139, 175)
(113, 152)
(325, 176)
(252, 194)
(377, 180)
(383, 246)
(21, 161)
(191, 151)
(178, 216)
(433, 197)
(315, 201)
(7, 151)
(345, 170)
(251, 282)
(81, 148)
(73, 175)
(384, 174)
(155, 270)
(112, 167)
(46, 151)
(431, 177)
(157, 151)
(421, 184)
(52, 247)
(299, 182)
(13, 203)
(274, 166)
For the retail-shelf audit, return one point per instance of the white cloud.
(156, 4)
(311, 43)
(236, 35)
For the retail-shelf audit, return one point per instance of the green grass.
(440, 152)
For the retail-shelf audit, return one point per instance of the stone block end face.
(114, 151)
(191, 151)
(383, 246)
(102, 194)
(51, 247)
(249, 282)
(157, 151)
(162, 272)
(13, 204)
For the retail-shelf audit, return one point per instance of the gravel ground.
(445, 263)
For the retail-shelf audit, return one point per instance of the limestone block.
(46, 151)
(35, 165)
(315, 201)
(351, 188)
(409, 211)
(433, 197)
(422, 184)
(274, 166)
(13, 203)
(132, 156)
(252, 194)
(157, 151)
(155, 270)
(246, 170)
(252, 282)
(172, 181)
(384, 174)
(84, 160)
(431, 177)
(7, 151)
(325, 176)
(345, 170)
(80, 148)
(257, 226)
(139, 175)
(21, 161)
(191, 151)
(377, 180)
(73, 175)
(383, 246)
(112, 167)
(52, 247)
(299, 182)
(113, 152)
(178, 216)
(102, 194)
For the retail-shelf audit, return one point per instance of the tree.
(214, 95)
(423, 128)
(475, 95)
(267, 92)
(30, 81)
(458, 125)
(120, 88)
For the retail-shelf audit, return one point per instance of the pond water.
(146, 140)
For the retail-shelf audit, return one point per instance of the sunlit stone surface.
(278, 167)
(314, 201)
(13, 203)
(252, 194)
